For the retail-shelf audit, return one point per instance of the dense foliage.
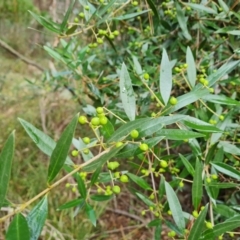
(158, 87)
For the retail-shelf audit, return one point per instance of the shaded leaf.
(73, 203)
(182, 20)
(101, 198)
(91, 214)
(66, 17)
(81, 187)
(198, 225)
(60, 152)
(131, 15)
(139, 181)
(6, 158)
(197, 186)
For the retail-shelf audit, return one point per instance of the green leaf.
(197, 186)
(139, 181)
(224, 210)
(18, 229)
(6, 158)
(175, 206)
(133, 149)
(144, 199)
(161, 187)
(101, 198)
(211, 152)
(221, 228)
(182, 20)
(187, 99)
(222, 185)
(129, 16)
(187, 164)
(200, 125)
(198, 225)
(81, 187)
(54, 27)
(155, 11)
(43, 141)
(224, 6)
(106, 7)
(158, 232)
(60, 152)
(127, 93)
(222, 71)
(37, 217)
(145, 126)
(195, 146)
(107, 130)
(91, 214)
(191, 68)
(229, 148)
(73, 203)
(66, 17)
(165, 81)
(201, 7)
(221, 125)
(137, 66)
(54, 54)
(154, 223)
(226, 169)
(234, 32)
(221, 99)
(102, 159)
(95, 175)
(178, 134)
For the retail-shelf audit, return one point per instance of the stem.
(25, 205)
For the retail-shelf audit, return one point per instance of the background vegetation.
(83, 68)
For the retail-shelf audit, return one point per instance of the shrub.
(163, 79)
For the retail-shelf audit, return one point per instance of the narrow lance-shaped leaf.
(198, 225)
(191, 68)
(18, 228)
(127, 93)
(226, 169)
(175, 206)
(42, 140)
(91, 214)
(197, 185)
(65, 19)
(6, 158)
(60, 152)
(37, 217)
(165, 77)
(182, 20)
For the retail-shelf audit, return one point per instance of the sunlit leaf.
(37, 217)
(175, 206)
(165, 81)
(42, 140)
(191, 68)
(127, 93)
